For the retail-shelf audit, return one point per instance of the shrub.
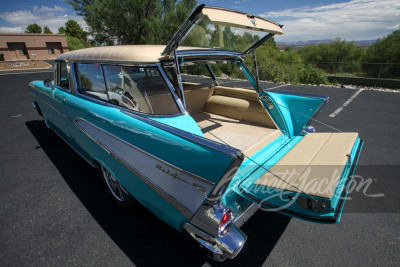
(74, 43)
(1, 57)
(309, 74)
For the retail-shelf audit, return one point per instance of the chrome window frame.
(169, 85)
(57, 74)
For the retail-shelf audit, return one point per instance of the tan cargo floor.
(314, 165)
(248, 137)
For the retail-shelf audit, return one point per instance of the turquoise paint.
(183, 122)
(279, 198)
(290, 112)
(248, 74)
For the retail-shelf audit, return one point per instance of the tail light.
(226, 222)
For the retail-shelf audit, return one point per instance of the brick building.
(20, 46)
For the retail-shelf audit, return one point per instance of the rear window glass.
(141, 89)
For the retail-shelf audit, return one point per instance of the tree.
(385, 50)
(47, 30)
(61, 30)
(33, 28)
(74, 43)
(133, 21)
(72, 28)
(77, 35)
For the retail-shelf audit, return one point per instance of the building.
(22, 46)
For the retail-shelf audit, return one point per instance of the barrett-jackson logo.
(175, 176)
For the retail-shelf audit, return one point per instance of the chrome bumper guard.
(228, 245)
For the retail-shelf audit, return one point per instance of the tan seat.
(196, 98)
(314, 165)
(238, 103)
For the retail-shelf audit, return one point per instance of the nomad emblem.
(176, 176)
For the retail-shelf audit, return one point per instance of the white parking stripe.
(26, 72)
(345, 104)
(277, 87)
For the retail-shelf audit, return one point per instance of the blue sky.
(302, 20)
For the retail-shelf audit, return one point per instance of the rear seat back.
(240, 104)
(196, 95)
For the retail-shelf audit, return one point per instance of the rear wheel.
(120, 195)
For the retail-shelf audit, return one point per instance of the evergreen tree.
(33, 28)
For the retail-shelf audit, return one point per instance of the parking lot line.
(277, 87)
(345, 104)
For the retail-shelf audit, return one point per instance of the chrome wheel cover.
(118, 191)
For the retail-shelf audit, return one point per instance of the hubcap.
(118, 191)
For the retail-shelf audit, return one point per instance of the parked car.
(200, 155)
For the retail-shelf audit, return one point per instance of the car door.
(60, 91)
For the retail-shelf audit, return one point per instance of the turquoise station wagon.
(202, 156)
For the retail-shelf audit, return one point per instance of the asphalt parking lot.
(55, 209)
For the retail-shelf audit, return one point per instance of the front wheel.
(120, 195)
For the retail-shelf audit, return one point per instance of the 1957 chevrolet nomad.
(202, 157)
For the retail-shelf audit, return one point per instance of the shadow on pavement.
(144, 238)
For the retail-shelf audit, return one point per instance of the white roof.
(120, 53)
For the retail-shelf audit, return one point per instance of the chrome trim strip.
(172, 91)
(228, 245)
(208, 52)
(212, 74)
(178, 73)
(202, 187)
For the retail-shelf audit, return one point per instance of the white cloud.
(22, 17)
(11, 29)
(352, 20)
(53, 17)
(394, 27)
(240, 1)
(48, 9)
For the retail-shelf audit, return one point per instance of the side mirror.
(47, 83)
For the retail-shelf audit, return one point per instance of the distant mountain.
(296, 45)
(325, 41)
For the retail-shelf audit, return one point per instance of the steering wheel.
(131, 103)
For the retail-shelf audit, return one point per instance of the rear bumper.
(227, 246)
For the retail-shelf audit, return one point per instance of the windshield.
(222, 37)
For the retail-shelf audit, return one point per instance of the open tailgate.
(310, 181)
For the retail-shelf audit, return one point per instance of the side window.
(141, 89)
(91, 81)
(63, 80)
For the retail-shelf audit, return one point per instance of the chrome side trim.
(183, 190)
(228, 245)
